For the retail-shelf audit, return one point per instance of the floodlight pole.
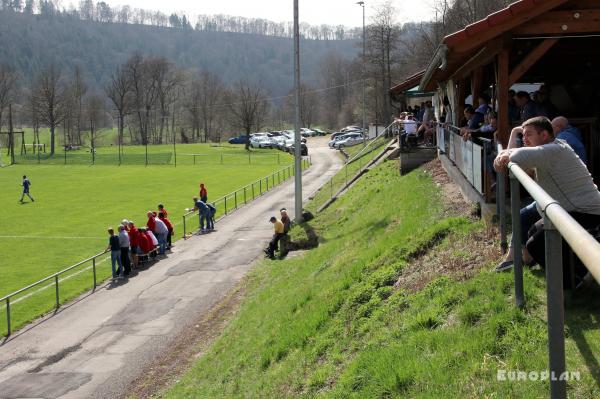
(297, 141)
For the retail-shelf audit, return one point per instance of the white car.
(305, 132)
(259, 141)
(349, 140)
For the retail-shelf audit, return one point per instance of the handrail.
(558, 224)
(355, 156)
(55, 277)
(581, 242)
(51, 276)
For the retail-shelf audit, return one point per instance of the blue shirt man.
(564, 131)
(26, 183)
(203, 213)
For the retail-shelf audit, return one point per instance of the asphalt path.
(96, 345)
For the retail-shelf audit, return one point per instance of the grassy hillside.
(397, 301)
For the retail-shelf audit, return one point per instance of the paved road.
(96, 346)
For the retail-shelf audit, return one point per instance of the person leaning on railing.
(559, 172)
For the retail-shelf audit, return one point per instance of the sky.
(314, 12)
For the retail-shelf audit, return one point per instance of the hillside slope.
(29, 42)
(398, 300)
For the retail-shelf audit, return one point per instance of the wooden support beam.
(564, 22)
(483, 57)
(476, 84)
(503, 86)
(531, 58)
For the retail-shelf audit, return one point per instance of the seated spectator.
(543, 99)
(145, 241)
(410, 129)
(513, 110)
(169, 225)
(483, 104)
(277, 235)
(564, 131)
(528, 108)
(560, 172)
(487, 130)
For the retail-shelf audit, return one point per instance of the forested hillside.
(32, 41)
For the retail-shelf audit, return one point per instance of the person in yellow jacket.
(279, 231)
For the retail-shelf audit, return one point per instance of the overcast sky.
(315, 12)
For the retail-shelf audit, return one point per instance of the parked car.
(305, 132)
(349, 140)
(352, 128)
(260, 141)
(319, 132)
(303, 149)
(243, 139)
(336, 139)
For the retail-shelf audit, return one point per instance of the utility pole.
(364, 74)
(297, 142)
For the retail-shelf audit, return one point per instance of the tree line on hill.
(157, 99)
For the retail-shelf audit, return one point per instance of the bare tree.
(119, 91)
(145, 91)
(78, 91)
(382, 37)
(95, 116)
(50, 98)
(211, 93)
(249, 107)
(168, 78)
(192, 105)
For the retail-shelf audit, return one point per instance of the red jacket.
(203, 192)
(146, 243)
(168, 223)
(151, 224)
(134, 237)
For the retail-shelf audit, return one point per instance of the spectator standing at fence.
(161, 231)
(277, 235)
(203, 213)
(564, 131)
(134, 242)
(115, 252)
(26, 184)
(528, 108)
(203, 193)
(161, 208)
(560, 172)
(169, 225)
(210, 222)
(124, 250)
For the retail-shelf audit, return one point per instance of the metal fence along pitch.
(248, 193)
(55, 280)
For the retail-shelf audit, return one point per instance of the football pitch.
(75, 204)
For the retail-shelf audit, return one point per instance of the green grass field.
(74, 205)
(332, 324)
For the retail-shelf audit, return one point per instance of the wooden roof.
(479, 42)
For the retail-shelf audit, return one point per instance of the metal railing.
(349, 169)
(558, 224)
(56, 282)
(471, 158)
(248, 193)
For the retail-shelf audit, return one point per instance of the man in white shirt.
(162, 231)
